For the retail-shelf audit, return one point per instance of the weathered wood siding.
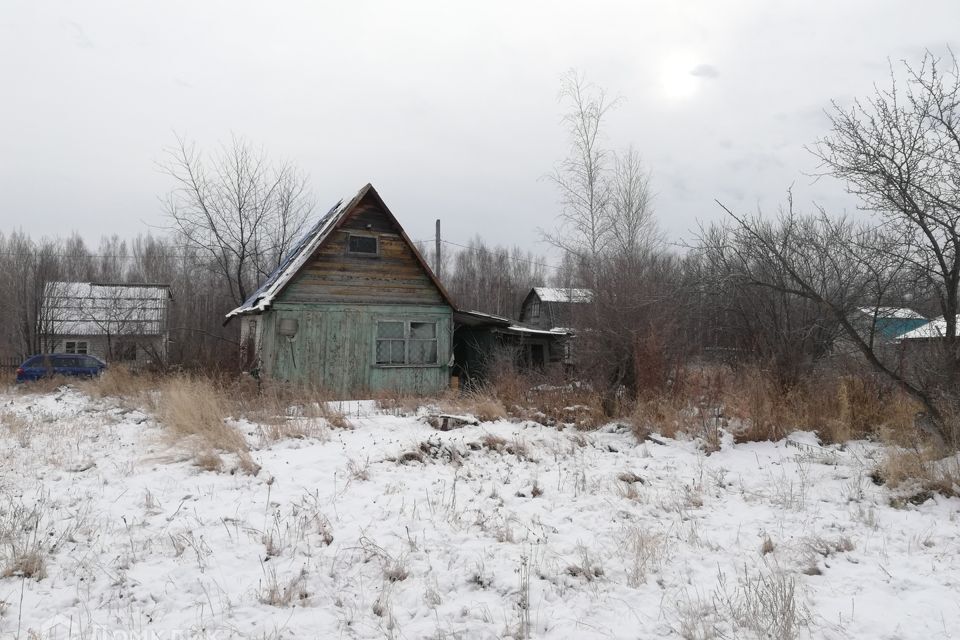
(335, 348)
(393, 277)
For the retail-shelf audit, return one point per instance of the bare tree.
(237, 209)
(899, 151)
(632, 225)
(584, 227)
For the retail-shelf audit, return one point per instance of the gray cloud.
(704, 70)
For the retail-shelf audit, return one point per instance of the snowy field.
(392, 529)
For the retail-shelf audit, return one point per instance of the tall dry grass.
(119, 381)
(194, 410)
(753, 407)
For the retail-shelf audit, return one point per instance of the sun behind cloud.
(682, 74)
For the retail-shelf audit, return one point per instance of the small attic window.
(363, 245)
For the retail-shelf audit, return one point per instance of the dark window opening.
(77, 346)
(364, 245)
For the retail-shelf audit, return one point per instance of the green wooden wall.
(335, 348)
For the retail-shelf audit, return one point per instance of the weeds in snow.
(645, 553)
(285, 593)
(767, 603)
(23, 550)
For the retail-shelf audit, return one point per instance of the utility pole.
(436, 260)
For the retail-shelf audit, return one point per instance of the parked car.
(59, 364)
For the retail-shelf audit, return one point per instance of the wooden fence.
(9, 365)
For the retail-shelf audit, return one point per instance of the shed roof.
(559, 294)
(300, 254)
(90, 308)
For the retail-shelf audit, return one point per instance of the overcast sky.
(449, 108)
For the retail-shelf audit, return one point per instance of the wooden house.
(354, 308)
(115, 322)
(553, 308)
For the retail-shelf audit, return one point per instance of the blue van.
(59, 364)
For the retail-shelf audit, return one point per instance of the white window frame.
(407, 340)
(76, 347)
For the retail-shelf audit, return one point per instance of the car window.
(64, 361)
(87, 361)
(35, 361)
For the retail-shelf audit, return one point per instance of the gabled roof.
(557, 294)
(90, 308)
(306, 247)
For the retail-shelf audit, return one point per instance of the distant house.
(552, 307)
(887, 323)
(115, 322)
(354, 308)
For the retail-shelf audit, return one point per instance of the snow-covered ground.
(393, 529)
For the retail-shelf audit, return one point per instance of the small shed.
(481, 339)
(354, 308)
(115, 322)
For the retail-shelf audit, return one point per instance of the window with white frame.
(406, 342)
(75, 346)
(535, 309)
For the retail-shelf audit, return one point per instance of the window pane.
(390, 352)
(423, 330)
(363, 244)
(71, 347)
(383, 351)
(81, 347)
(423, 352)
(390, 330)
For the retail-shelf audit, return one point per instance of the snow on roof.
(897, 313)
(554, 294)
(301, 252)
(936, 328)
(89, 309)
(519, 328)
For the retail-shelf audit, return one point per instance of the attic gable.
(319, 268)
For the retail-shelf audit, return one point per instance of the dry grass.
(19, 427)
(194, 412)
(22, 553)
(753, 407)
(119, 381)
(286, 593)
(917, 473)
